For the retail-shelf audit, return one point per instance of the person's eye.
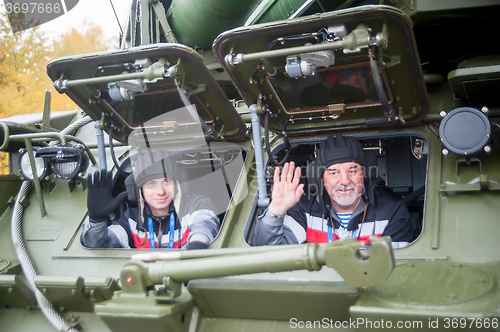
(150, 184)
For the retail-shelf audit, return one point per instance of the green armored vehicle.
(231, 91)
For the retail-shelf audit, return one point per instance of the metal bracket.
(360, 265)
(200, 88)
(336, 109)
(169, 290)
(72, 322)
(132, 279)
(468, 161)
(484, 182)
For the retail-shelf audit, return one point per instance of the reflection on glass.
(352, 86)
(149, 105)
(211, 169)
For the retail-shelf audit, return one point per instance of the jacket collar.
(353, 223)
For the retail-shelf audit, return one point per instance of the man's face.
(344, 184)
(158, 193)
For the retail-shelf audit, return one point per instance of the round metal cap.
(465, 131)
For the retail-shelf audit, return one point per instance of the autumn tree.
(23, 60)
(87, 39)
(23, 57)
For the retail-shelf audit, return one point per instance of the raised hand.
(100, 201)
(286, 190)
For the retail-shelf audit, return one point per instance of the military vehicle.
(235, 89)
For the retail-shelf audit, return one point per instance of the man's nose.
(344, 178)
(162, 189)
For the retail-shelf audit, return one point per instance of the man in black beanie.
(344, 204)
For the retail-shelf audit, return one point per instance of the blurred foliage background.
(23, 61)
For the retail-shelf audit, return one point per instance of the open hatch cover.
(130, 87)
(316, 73)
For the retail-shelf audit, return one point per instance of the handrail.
(6, 133)
(40, 137)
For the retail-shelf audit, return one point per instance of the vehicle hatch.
(131, 87)
(313, 73)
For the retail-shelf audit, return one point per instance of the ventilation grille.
(479, 93)
(476, 86)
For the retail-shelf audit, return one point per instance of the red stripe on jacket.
(138, 240)
(313, 235)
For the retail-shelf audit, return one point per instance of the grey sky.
(99, 12)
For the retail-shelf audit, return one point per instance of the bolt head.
(442, 113)
(484, 109)
(445, 152)
(487, 148)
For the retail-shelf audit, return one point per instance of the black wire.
(377, 81)
(266, 121)
(113, 152)
(268, 148)
(117, 20)
(292, 37)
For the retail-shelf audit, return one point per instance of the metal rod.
(101, 148)
(193, 254)
(36, 180)
(292, 50)
(46, 109)
(155, 71)
(263, 201)
(103, 79)
(307, 256)
(40, 137)
(44, 136)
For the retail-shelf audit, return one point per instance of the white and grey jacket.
(195, 220)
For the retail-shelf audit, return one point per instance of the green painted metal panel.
(197, 23)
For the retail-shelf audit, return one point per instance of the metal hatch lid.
(314, 73)
(130, 87)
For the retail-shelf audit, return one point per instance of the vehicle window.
(351, 86)
(192, 185)
(397, 166)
